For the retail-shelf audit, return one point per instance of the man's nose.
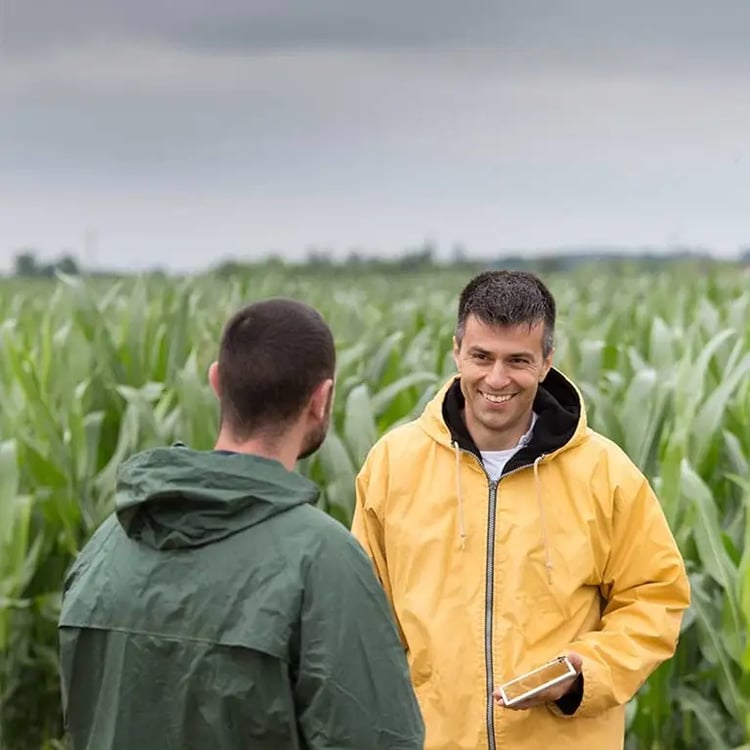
(497, 378)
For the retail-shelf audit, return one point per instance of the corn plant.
(93, 370)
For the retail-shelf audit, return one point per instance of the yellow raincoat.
(569, 551)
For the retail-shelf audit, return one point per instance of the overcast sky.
(179, 132)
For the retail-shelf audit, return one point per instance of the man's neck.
(283, 450)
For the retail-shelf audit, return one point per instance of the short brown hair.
(508, 298)
(273, 355)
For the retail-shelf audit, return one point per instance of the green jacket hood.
(176, 497)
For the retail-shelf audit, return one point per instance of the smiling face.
(500, 369)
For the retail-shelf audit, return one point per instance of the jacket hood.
(561, 421)
(176, 497)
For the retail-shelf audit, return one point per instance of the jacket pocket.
(567, 581)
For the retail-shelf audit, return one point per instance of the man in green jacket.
(217, 608)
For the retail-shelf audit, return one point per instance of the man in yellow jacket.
(506, 532)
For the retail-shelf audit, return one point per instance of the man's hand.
(551, 694)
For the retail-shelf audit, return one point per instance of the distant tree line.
(26, 265)
(412, 260)
(426, 257)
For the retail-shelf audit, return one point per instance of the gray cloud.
(577, 27)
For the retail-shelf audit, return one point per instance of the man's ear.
(320, 399)
(213, 378)
(456, 349)
(547, 366)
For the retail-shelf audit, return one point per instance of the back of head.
(507, 299)
(272, 357)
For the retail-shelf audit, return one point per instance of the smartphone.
(533, 682)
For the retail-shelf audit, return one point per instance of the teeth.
(497, 399)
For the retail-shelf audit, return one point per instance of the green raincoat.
(219, 609)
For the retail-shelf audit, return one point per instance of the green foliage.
(91, 371)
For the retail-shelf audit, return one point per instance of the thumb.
(576, 660)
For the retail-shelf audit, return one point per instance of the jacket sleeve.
(646, 590)
(352, 688)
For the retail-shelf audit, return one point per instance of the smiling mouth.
(497, 399)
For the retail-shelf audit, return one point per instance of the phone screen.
(536, 678)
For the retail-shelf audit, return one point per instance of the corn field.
(92, 370)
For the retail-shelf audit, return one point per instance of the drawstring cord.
(459, 496)
(543, 517)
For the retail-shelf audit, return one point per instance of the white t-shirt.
(494, 461)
